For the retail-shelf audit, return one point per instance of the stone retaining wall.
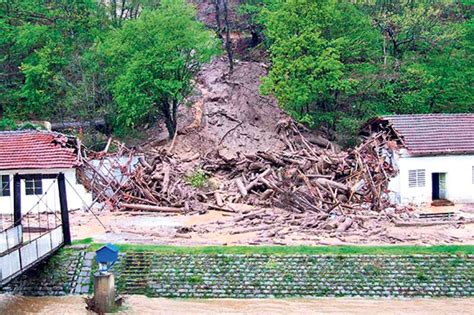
(67, 272)
(258, 276)
(261, 276)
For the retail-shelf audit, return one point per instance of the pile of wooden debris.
(311, 186)
(319, 188)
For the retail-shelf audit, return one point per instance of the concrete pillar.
(104, 292)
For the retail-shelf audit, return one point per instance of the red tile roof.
(435, 133)
(35, 150)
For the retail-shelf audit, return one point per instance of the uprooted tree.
(150, 62)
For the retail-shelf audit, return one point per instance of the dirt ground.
(215, 228)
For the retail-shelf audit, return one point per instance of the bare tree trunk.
(228, 43)
(168, 116)
(218, 18)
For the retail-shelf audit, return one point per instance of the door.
(442, 185)
(435, 185)
(438, 181)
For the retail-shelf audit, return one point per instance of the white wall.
(459, 177)
(74, 191)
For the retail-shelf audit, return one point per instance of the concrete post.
(104, 292)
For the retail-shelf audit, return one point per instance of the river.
(18, 305)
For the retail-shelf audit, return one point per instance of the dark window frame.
(5, 189)
(33, 184)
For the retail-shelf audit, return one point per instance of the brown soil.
(228, 113)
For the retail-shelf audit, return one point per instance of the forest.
(331, 64)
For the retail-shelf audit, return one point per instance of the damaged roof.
(32, 149)
(433, 133)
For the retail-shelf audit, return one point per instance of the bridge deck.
(17, 256)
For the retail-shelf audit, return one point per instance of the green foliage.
(30, 126)
(288, 277)
(198, 179)
(7, 124)
(40, 45)
(314, 46)
(421, 275)
(334, 63)
(338, 63)
(271, 264)
(150, 62)
(195, 279)
(461, 250)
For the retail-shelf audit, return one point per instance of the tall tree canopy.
(40, 46)
(150, 62)
(332, 63)
(314, 47)
(340, 62)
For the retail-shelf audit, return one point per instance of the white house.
(434, 157)
(36, 157)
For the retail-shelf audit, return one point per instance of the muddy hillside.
(227, 113)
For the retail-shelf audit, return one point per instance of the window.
(33, 185)
(416, 178)
(4, 185)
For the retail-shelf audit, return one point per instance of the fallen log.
(241, 187)
(344, 225)
(335, 185)
(432, 223)
(140, 207)
(218, 198)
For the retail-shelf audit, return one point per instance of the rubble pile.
(304, 184)
(318, 188)
(159, 184)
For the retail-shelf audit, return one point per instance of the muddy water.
(143, 305)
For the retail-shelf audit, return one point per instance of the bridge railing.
(10, 238)
(16, 260)
(32, 236)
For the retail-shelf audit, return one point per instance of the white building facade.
(36, 158)
(434, 157)
(423, 179)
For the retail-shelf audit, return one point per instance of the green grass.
(198, 179)
(84, 241)
(297, 250)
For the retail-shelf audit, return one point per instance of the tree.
(339, 63)
(40, 49)
(426, 56)
(314, 47)
(122, 10)
(150, 62)
(251, 11)
(228, 42)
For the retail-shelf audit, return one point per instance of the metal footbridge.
(29, 237)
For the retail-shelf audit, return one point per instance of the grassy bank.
(295, 250)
